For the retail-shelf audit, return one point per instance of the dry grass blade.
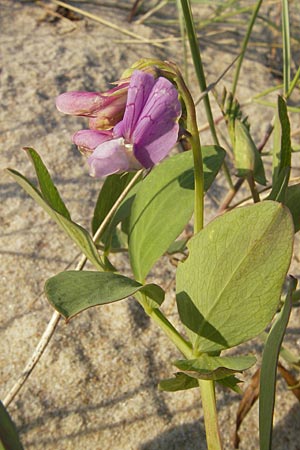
(213, 85)
(104, 22)
(148, 41)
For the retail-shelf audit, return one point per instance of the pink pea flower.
(104, 109)
(147, 132)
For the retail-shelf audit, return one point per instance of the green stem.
(199, 186)
(194, 139)
(207, 387)
(160, 319)
(213, 438)
(253, 189)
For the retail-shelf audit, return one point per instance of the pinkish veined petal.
(112, 157)
(80, 103)
(88, 140)
(156, 132)
(154, 151)
(140, 86)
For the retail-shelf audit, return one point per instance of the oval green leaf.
(48, 189)
(229, 287)
(181, 382)
(164, 204)
(73, 291)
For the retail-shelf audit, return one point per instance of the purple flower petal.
(80, 103)
(144, 131)
(141, 84)
(157, 129)
(112, 157)
(88, 140)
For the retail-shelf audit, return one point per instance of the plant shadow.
(189, 436)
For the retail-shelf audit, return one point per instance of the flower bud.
(247, 158)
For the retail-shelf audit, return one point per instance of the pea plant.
(232, 281)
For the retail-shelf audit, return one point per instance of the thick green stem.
(159, 318)
(253, 189)
(208, 397)
(206, 387)
(194, 139)
(183, 346)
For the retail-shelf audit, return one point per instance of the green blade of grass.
(195, 51)
(197, 61)
(293, 83)
(286, 46)
(269, 370)
(244, 47)
(104, 22)
(183, 36)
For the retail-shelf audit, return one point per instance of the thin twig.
(39, 350)
(230, 195)
(247, 199)
(213, 85)
(133, 10)
(152, 11)
(50, 329)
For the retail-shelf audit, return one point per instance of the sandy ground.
(96, 386)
